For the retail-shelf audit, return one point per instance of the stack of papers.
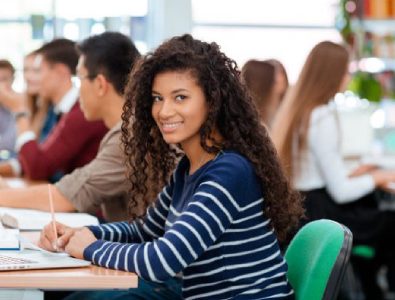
(30, 219)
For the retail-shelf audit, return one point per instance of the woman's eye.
(180, 97)
(156, 98)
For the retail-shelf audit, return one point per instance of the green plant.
(366, 86)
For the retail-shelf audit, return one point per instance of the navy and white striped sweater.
(211, 227)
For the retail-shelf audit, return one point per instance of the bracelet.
(21, 114)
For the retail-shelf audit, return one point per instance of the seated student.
(73, 141)
(281, 78)
(306, 133)
(37, 106)
(7, 122)
(227, 197)
(103, 68)
(267, 83)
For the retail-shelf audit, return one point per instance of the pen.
(52, 214)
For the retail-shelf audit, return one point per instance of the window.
(283, 29)
(26, 24)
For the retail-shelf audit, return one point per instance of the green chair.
(317, 258)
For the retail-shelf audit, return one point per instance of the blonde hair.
(320, 79)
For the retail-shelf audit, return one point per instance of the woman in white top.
(306, 133)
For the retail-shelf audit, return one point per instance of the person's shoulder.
(75, 114)
(233, 163)
(233, 174)
(231, 156)
(75, 118)
(113, 135)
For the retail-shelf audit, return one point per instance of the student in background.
(103, 68)
(267, 83)
(227, 196)
(306, 133)
(281, 78)
(30, 101)
(7, 122)
(73, 141)
(36, 105)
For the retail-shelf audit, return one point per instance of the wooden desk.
(86, 278)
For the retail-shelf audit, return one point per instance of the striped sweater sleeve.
(215, 204)
(140, 230)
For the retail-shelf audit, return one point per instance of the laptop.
(32, 259)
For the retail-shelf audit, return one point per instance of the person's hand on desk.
(72, 240)
(49, 242)
(363, 169)
(79, 241)
(384, 179)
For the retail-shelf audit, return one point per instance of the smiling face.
(179, 108)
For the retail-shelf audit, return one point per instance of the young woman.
(30, 101)
(267, 83)
(214, 226)
(307, 137)
(37, 106)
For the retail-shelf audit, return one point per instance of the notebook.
(9, 239)
(31, 259)
(30, 219)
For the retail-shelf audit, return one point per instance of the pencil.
(51, 207)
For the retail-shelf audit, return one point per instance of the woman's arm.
(362, 170)
(324, 142)
(213, 207)
(141, 230)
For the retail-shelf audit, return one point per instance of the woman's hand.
(384, 178)
(363, 169)
(13, 101)
(48, 240)
(79, 241)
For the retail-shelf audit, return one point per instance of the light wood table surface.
(92, 277)
(30, 284)
(86, 278)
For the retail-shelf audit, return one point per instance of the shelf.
(379, 26)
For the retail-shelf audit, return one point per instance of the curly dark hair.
(232, 113)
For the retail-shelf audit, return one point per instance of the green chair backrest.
(317, 257)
